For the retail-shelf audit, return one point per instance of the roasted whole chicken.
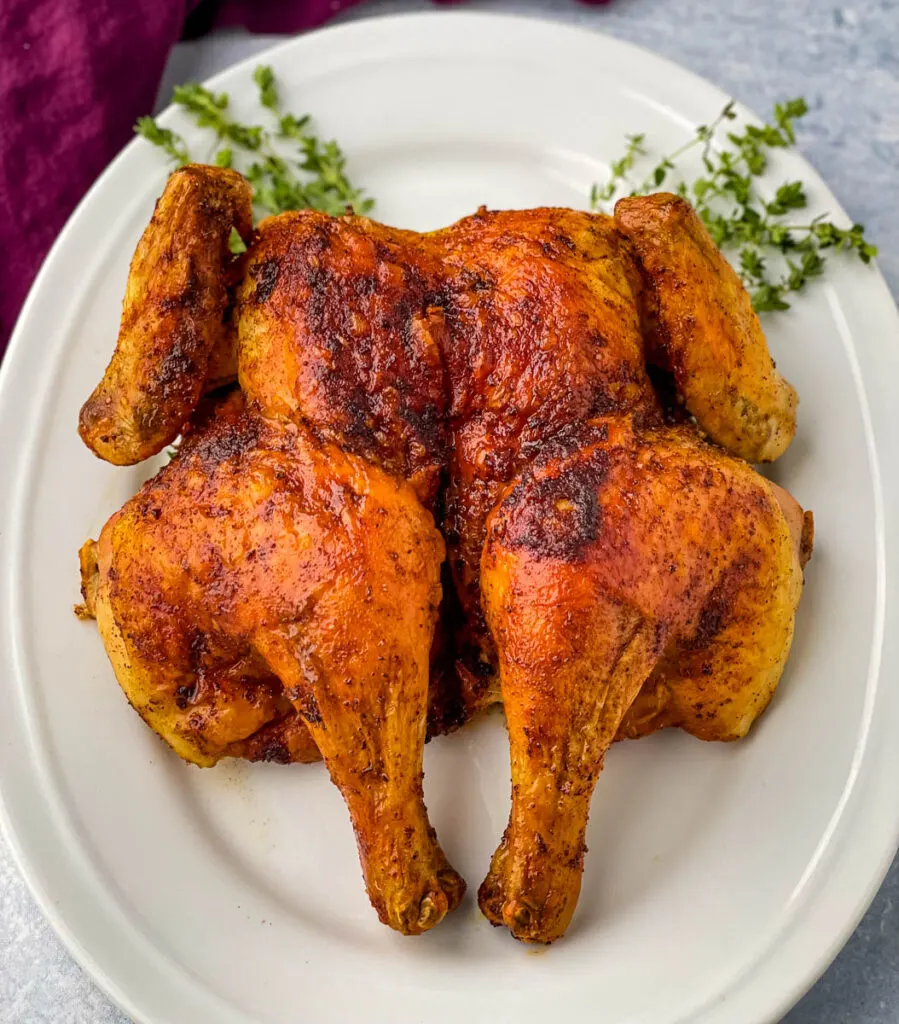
(423, 473)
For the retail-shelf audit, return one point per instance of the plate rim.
(783, 993)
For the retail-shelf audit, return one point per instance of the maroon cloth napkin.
(74, 77)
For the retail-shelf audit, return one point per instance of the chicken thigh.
(263, 572)
(618, 558)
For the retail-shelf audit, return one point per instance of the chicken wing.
(174, 337)
(702, 327)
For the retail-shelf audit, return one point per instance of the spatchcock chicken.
(423, 473)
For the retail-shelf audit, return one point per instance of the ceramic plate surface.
(721, 879)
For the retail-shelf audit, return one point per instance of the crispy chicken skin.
(622, 557)
(338, 329)
(703, 328)
(275, 592)
(174, 336)
(260, 572)
(543, 332)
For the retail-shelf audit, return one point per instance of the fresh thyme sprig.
(756, 232)
(167, 140)
(314, 177)
(235, 243)
(620, 170)
(210, 110)
(327, 188)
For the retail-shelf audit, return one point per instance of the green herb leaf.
(235, 243)
(736, 217)
(620, 170)
(314, 178)
(768, 298)
(264, 77)
(752, 266)
(786, 113)
(790, 196)
(167, 140)
(210, 111)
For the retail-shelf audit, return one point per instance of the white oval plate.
(721, 879)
